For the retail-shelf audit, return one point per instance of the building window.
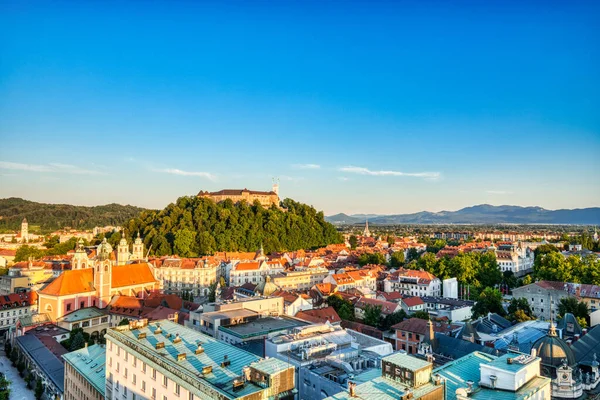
(134, 379)
(143, 386)
(82, 304)
(165, 381)
(68, 307)
(153, 374)
(153, 393)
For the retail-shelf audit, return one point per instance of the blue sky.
(378, 107)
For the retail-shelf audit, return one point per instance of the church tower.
(103, 272)
(122, 252)
(138, 248)
(80, 259)
(276, 186)
(24, 231)
(366, 233)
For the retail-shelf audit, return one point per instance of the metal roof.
(52, 367)
(585, 348)
(219, 380)
(384, 389)
(407, 361)
(89, 362)
(83, 314)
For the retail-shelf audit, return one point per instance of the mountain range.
(479, 214)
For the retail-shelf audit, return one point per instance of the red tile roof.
(413, 301)
(319, 315)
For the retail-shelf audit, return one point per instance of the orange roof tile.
(247, 266)
(71, 282)
(132, 274)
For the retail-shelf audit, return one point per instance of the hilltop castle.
(266, 199)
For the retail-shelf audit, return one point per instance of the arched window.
(106, 268)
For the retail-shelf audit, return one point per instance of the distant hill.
(481, 214)
(50, 217)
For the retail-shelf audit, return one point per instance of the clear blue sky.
(378, 107)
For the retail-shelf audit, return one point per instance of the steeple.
(366, 233)
(552, 330)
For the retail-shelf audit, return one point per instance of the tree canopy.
(489, 300)
(553, 266)
(198, 226)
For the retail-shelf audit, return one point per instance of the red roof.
(386, 306)
(319, 315)
(413, 301)
(8, 252)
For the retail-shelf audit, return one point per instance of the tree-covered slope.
(197, 226)
(50, 217)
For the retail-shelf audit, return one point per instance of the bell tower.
(122, 252)
(138, 248)
(103, 272)
(80, 259)
(24, 231)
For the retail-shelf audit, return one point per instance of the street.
(18, 387)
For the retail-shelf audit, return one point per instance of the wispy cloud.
(366, 171)
(306, 166)
(343, 178)
(497, 192)
(48, 168)
(175, 171)
(291, 178)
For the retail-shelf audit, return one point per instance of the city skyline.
(395, 109)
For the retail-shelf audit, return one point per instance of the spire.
(366, 232)
(552, 330)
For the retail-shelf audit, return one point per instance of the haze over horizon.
(387, 109)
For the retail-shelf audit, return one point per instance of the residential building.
(293, 302)
(544, 297)
(386, 307)
(253, 271)
(11, 284)
(266, 199)
(320, 316)
(85, 373)
(402, 377)
(482, 376)
(326, 357)
(92, 320)
(93, 282)
(300, 280)
(518, 260)
(453, 309)
(411, 305)
(192, 275)
(163, 360)
(411, 332)
(413, 283)
(352, 280)
(15, 306)
(256, 329)
(7, 257)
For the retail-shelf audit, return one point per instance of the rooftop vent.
(181, 356)
(225, 362)
(470, 386)
(160, 345)
(142, 335)
(199, 349)
(177, 339)
(493, 379)
(207, 369)
(238, 384)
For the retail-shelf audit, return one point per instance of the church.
(92, 282)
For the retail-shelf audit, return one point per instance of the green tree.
(53, 241)
(4, 388)
(519, 310)
(342, 307)
(77, 342)
(372, 258)
(571, 305)
(489, 300)
(509, 279)
(412, 254)
(353, 240)
(124, 321)
(184, 242)
(392, 319)
(421, 315)
(24, 252)
(39, 389)
(527, 280)
(212, 292)
(397, 259)
(372, 315)
(391, 240)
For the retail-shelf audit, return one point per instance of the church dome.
(266, 287)
(553, 350)
(104, 250)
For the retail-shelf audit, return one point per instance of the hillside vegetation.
(50, 217)
(198, 226)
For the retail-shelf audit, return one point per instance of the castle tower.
(80, 258)
(24, 230)
(138, 248)
(276, 186)
(103, 272)
(122, 252)
(366, 233)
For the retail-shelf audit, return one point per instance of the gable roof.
(319, 315)
(71, 282)
(386, 306)
(247, 266)
(412, 301)
(131, 274)
(418, 325)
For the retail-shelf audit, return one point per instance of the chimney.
(470, 386)
(430, 335)
(352, 389)
(493, 379)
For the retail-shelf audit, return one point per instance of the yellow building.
(266, 199)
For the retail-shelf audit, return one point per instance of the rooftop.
(219, 381)
(262, 326)
(84, 314)
(49, 363)
(89, 362)
(384, 389)
(407, 361)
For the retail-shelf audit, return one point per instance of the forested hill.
(197, 226)
(50, 217)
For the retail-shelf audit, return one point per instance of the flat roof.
(502, 363)
(189, 371)
(228, 314)
(384, 389)
(49, 363)
(83, 314)
(407, 361)
(89, 362)
(262, 326)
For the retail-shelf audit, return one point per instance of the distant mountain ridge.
(480, 214)
(50, 217)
